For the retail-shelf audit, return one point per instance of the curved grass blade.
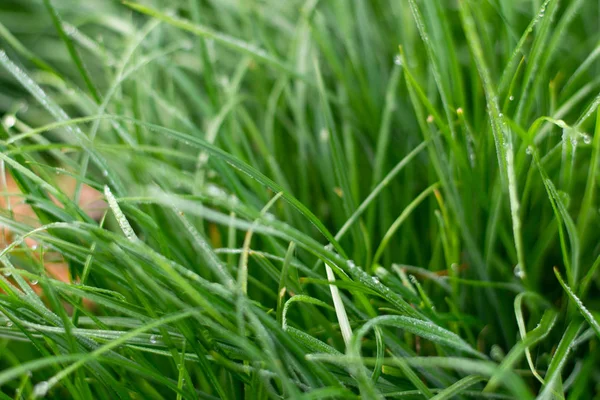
(72, 50)
(580, 306)
(398, 222)
(458, 387)
(206, 32)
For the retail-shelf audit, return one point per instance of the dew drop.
(9, 121)
(34, 247)
(324, 135)
(497, 353)
(105, 173)
(529, 150)
(233, 200)
(565, 198)
(500, 115)
(376, 280)
(472, 157)
(40, 389)
(7, 273)
(121, 219)
(574, 141)
(397, 60)
(34, 281)
(9, 323)
(23, 107)
(519, 273)
(587, 139)
(69, 29)
(270, 217)
(511, 98)
(153, 339)
(351, 264)
(215, 191)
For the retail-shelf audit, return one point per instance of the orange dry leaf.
(90, 200)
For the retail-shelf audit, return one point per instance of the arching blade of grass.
(72, 50)
(558, 360)
(582, 309)
(571, 259)
(405, 213)
(540, 332)
(588, 196)
(22, 50)
(458, 387)
(226, 40)
(502, 138)
(523, 332)
(258, 176)
(59, 114)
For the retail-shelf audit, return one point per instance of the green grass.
(305, 199)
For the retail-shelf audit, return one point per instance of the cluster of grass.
(305, 199)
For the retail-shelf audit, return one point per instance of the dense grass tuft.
(299, 199)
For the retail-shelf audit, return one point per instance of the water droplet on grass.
(121, 219)
(574, 141)
(511, 98)
(397, 60)
(153, 339)
(9, 323)
(40, 389)
(565, 198)
(519, 272)
(324, 135)
(496, 353)
(529, 150)
(9, 121)
(34, 281)
(587, 139)
(7, 273)
(69, 29)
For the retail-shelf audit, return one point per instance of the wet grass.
(303, 199)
